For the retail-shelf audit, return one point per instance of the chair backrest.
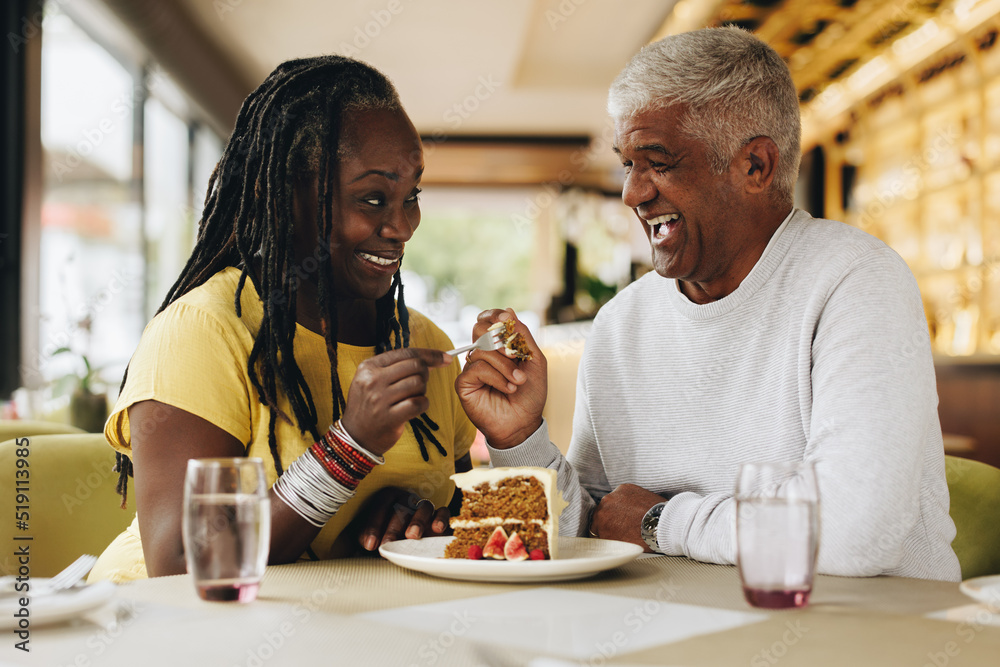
(67, 500)
(975, 509)
(563, 363)
(18, 428)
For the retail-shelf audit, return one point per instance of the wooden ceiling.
(550, 61)
(825, 41)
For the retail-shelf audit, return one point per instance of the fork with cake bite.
(492, 339)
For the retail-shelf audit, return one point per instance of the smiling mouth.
(662, 225)
(380, 261)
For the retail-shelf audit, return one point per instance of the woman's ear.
(759, 161)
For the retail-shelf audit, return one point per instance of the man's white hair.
(733, 86)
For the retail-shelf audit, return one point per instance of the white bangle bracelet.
(310, 491)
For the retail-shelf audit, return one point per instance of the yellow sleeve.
(465, 432)
(188, 358)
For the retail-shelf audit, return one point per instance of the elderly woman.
(286, 336)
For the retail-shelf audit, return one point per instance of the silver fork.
(72, 574)
(492, 339)
(67, 578)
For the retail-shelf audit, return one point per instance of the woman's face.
(375, 208)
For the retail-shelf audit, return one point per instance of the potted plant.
(88, 408)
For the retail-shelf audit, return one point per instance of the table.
(367, 611)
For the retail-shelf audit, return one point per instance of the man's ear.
(758, 160)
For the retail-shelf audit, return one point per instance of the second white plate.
(984, 589)
(578, 557)
(56, 607)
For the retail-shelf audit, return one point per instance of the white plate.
(578, 557)
(984, 589)
(55, 607)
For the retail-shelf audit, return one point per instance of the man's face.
(693, 217)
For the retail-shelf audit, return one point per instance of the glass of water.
(226, 527)
(777, 532)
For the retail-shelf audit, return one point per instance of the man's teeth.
(381, 261)
(661, 219)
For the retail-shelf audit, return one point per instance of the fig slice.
(495, 545)
(514, 549)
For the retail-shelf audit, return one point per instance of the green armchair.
(975, 509)
(18, 428)
(70, 500)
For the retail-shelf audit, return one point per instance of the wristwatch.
(650, 522)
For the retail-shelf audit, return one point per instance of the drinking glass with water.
(777, 532)
(226, 527)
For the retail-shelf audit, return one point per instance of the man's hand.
(503, 397)
(387, 391)
(619, 514)
(394, 513)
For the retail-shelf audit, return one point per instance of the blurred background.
(115, 112)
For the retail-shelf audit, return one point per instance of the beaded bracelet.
(343, 458)
(341, 432)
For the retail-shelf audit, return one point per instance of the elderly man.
(763, 334)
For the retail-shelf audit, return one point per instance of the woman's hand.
(503, 397)
(393, 513)
(389, 390)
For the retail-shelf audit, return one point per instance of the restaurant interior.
(116, 112)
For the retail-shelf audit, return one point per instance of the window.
(125, 168)
(91, 268)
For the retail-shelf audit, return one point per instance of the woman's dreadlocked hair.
(289, 127)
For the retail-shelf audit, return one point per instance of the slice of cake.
(507, 514)
(514, 345)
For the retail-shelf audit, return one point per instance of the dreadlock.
(289, 126)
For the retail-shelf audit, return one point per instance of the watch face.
(650, 522)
